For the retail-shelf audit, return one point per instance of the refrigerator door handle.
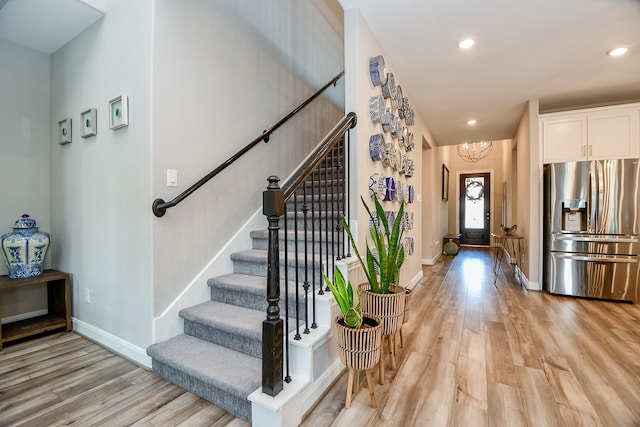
(577, 238)
(592, 194)
(595, 258)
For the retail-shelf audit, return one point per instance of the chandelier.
(472, 152)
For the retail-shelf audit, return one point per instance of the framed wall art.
(88, 123)
(445, 183)
(119, 112)
(64, 131)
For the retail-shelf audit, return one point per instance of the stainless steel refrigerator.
(591, 229)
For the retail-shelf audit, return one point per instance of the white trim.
(432, 261)
(113, 343)
(24, 316)
(415, 281)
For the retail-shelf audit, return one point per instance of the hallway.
(477, 354)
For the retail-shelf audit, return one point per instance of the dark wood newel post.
(272, 335)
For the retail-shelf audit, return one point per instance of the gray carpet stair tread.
(226, 317)
(250, 284)
(229, 370)
(260, 256)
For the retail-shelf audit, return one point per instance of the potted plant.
(359, 337)
(382, 296)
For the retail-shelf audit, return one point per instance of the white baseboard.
(432, 261)
(112, 342)
(415, 281)
(23, 316)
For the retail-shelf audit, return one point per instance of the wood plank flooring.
(65, 379)
(479, 354)
(475, 354)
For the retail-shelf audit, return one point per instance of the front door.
(475, 213)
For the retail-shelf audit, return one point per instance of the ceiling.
(549, 50)
(47, 25)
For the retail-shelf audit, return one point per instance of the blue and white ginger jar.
(25, 248)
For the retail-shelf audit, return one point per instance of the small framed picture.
(119, 112)
(88, 123)
(64, 131)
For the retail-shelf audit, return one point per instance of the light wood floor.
(477, 354)
(474, 354)
(64, 379)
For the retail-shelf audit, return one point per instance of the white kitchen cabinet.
(591, 134)
(613, 134)
(564, 138)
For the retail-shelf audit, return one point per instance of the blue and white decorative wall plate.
(396, 101)
(376, 146)
(377, 186)
(410, 170)
(24, 249)
(409, 118)
(403, 136)
(390, 192)
(376, 108)
(389, 87)
(391, 218)
(403, 163)
(405, 221)
(410, 194)
(409, 144)
(377, 70)
(409, 246)
(400, 191)
(386, 119)
(388, 154)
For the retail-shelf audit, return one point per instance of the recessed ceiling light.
(472, 122)
(466, 43)
(619, 51)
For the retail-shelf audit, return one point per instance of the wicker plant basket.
(388, 307)
(359, 349)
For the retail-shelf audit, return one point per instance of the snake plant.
(383, 269)
(348, 299)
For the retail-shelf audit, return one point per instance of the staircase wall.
(223, 71)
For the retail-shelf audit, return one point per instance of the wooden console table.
(59, 306)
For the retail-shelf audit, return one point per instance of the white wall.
(360, 46)
(435, 211)
(100, 186)
(529, 210)
(223, 71)
(24, 155)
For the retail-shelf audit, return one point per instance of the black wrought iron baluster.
(296, 263)
(314, 325)
(305, 218)
(326, 217)
(287, 377)
(320, 241)
(272, 334)
(335, 177)
(347, 187)
(340, 193)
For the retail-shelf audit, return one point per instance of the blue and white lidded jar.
(25, 248)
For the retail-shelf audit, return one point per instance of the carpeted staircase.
(218, 355)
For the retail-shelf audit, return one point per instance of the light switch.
(172, 178)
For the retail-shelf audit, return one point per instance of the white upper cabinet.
(591, 134)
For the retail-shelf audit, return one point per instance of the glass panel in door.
(475, 206)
